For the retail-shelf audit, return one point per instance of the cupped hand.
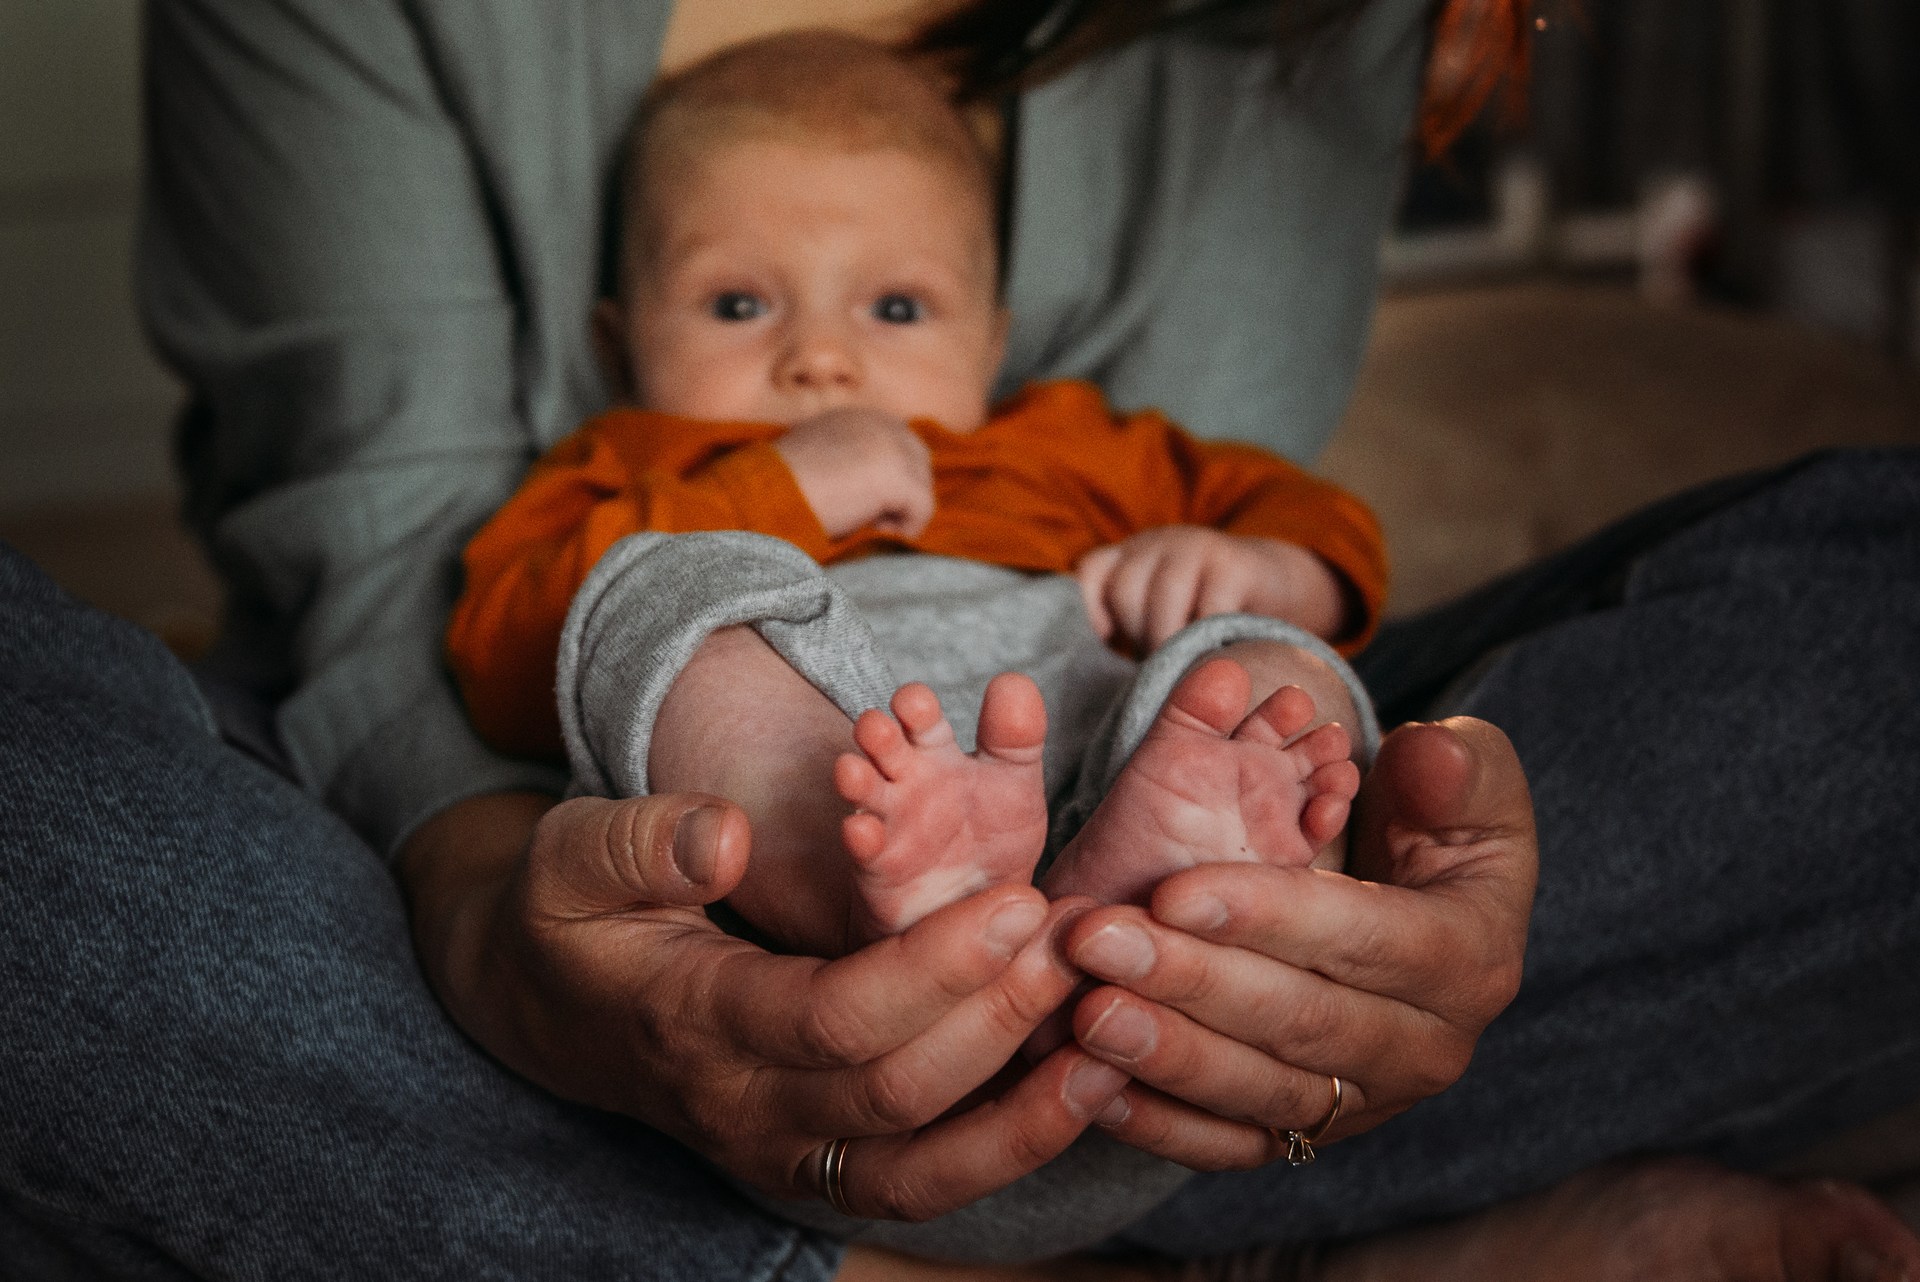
(1143, 589)
(1244, 988)
(585, 962)
(860, 467)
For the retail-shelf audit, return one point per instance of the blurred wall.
(84, 409)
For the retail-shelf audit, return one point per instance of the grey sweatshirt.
(373, 233)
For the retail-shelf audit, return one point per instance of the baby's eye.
(898, 309)
(737, 305)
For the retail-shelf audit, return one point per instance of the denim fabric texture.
(218, 1058)
(1722, 734)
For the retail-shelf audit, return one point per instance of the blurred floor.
(1493, 425)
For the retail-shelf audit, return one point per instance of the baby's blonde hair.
(813, 87)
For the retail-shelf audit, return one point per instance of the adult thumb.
(1438, 791)
(596, 855)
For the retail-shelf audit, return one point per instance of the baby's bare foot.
(934, 823)
(1209, 784)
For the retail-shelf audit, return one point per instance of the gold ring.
(833, 1171)
(1300, 1143)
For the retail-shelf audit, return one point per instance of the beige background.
(84, 410)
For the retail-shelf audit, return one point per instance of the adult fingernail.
(1114, 1113)
(696, 843)
(1120, 951)
(1090, 1087)
(1010, 928)
(1123, 1032)
(1198, 915)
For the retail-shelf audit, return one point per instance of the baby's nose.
(820, 358)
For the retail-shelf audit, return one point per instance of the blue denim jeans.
(219, 1059)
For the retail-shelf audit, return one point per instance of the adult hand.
(570, 943)
(860, 467)
(1243, 988)
(1143, 589)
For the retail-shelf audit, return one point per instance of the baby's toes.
(881, 738)
(1322, 818)
(864, 835)
(918, 709)
(1322, 746)
(1335, 779)
(1280, 716)
(855, 779)
(1211, 698)
(1013, 720)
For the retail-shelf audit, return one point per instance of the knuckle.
(1437, 1074)
(712, 1115)
(1015, 1010)
(1185, 976)
(1501, 985)
(1424, 1079)
(1375, 950)
(900, 1197)
(1313, 1019)
(1285, 1102)
(828, 1034)
(1447, 1065)
(1177, 1062)
(1423, 1067)
(891, 1099)
(1029, 1150)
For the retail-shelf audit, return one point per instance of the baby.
(807, 331)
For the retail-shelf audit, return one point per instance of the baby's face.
(788, 279)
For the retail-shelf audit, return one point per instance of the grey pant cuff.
(1131, 718)
(649, 604)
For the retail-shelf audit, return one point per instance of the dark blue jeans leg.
(1721, 727)
(217, 1055)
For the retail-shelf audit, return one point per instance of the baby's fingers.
(1095, 568)
(1128, 590)
(1171, 595)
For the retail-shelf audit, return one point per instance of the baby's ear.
(609, 326)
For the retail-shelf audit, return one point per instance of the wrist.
(459, 871)
(823, 492)
(1306, 591)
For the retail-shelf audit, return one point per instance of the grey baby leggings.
(856, 632)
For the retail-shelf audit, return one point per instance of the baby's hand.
(860, 467)
(1144, 589)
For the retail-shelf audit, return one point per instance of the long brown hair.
(1479, 47)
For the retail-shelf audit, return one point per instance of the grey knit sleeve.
(1194, 230)
(316, 258)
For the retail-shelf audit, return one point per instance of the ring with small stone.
(1300, 1143)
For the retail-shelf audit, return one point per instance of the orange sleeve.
(1147, 472)
(621, 474)
(1246, 491)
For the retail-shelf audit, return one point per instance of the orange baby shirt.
(1051, 476)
